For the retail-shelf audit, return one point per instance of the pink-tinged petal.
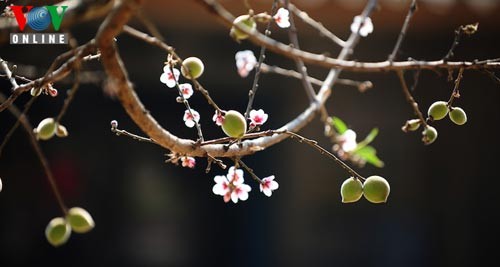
(220, 179)
(164, 78)
(189, 162)
(227, 197)
(274, 185)
(245, 62)
(186, 90)
(218, 118)
(243, 195)
(282, 18)
(268, 192)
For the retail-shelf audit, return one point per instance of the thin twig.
(41, 156)
(404, 29)
(410, 99)
(139, 138)
(188, 107)
(8, 72)
(71, 94)
(169, 49)
(18, 122)
(323, 151)
(249, 170)
(456, 94)
(362, 86)
(292, 35)
(317, 25)
(255, 85)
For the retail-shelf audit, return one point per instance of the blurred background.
(441, 211)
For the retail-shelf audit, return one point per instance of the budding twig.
(410, 99)
(404, 29)
(8, 72)
(249, 170)
(262, 56)
(455, 93)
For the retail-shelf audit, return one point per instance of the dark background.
(444, 197)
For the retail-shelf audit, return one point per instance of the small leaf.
(339, 125)
(371, 136)
(369, 154)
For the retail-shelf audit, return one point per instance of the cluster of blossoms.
(232, 186)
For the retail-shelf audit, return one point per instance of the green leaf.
(339, 125)
(368, 139)
(369, 154)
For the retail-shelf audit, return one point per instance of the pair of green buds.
(375, 189)
(59, 229)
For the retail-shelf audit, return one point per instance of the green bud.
(438, 110)
(234, 124)
(245, 22)
(429, 135)
(458, 116)
(46, 129)
(57, 231)
(376, 189)
(351, 190)
(80, 220)
(35, 91)
(194, 67)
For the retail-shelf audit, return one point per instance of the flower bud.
(245, 22)
(351, 190)
(57, 231)
(80, 220)
(429, 135)
(411, 125)
(458, 116)
(61, 131)
(234, 124)
(36, 91)
(192, 68)
(438, 110)
(376, 189)
(46, 129)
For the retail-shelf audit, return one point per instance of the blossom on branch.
(282, 18)
(364, 27)
(231, 186)
(169, 78)
(218, 118)
(188, 162)
(268, 185)
(191, 118)
(186, 90)
(347, 141)
(257, 117)
(245, 62)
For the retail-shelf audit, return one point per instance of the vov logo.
(39, 19)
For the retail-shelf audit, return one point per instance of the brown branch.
(317, 25)
(54, 76)
(410, 99)
(456, 94)
(346, 65)
(8, 73)
(404, 29)
(361, 85)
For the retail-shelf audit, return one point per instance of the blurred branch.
(404, 29)
(338, 63)
(21, 116)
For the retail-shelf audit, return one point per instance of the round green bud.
(245, 22)
(376, 189)
(35, 91)
(351, 190)
(438, 110)
(192, 68)
(429, 135)
(458, 116)
(80, 220)
(46, 129)
(234, 124)
(57, 231)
